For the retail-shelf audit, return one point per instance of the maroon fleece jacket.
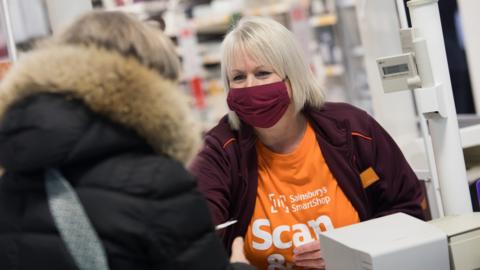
(351, 142)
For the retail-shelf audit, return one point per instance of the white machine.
(395, 242)
(463, 240)
(399, 242)
(422, 68)
(398, 72)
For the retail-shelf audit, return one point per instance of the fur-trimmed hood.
(118, 88)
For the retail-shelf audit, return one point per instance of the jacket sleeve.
(213, 173)
(241, 266)
(180, 232)
(398, 189)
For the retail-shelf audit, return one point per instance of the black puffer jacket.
(102, 120)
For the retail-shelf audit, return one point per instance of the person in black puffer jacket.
(99, 101)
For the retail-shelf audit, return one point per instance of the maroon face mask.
(261, 105)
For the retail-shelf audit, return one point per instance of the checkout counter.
(399, 241)
(417, 63)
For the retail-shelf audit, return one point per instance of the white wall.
(469, 13)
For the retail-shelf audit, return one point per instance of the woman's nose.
(250, 81)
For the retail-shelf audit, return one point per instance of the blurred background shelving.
(329, 27)
(324, 29)
(327, 30)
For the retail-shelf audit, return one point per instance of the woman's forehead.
(246, 59)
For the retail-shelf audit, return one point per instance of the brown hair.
(119, 32)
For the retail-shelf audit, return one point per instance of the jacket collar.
(327, 126)
(116, 87)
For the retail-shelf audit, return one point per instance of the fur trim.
(117, 87)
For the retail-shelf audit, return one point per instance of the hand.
(238, 254)
(309, 256)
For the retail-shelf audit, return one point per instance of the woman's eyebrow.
(261, 67)
(234, 71)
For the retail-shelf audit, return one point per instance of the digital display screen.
(395, 69)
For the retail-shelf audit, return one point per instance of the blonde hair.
(119, 32)
(274, 45)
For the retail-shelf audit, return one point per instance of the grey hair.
(122, 33)
(274, 45)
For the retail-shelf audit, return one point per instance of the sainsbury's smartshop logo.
(278, 203)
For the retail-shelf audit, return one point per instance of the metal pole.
(12, 49)
(402, 15)
(444, 131)
(436, 203)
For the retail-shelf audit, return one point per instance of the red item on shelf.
(197, 92)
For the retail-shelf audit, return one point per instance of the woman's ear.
(289, 87)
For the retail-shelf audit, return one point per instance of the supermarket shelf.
(270, 10)
(142, 8)
(217, 24)
(347, 4)
(323, 20)
(334, 70)
(211, 59)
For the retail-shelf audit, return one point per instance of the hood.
(115, 87)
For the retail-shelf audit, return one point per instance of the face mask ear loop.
(287, 81)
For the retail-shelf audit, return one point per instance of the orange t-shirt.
(297, 198)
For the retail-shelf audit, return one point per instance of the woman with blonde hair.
(99, 103)
(285, 164)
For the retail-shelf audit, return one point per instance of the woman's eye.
(263, 73)
(238, 77)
